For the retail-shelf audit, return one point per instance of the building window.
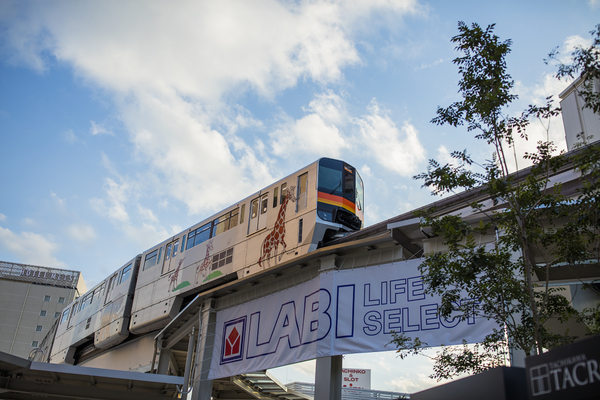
(39, 328)
(43, 313)
(61, 300)
(34, 343)
(46, 298)
(56, 314)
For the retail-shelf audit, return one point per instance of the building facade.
(31, 300)
(581, 124)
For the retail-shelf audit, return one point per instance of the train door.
(110, 287)
(258, 213)
(170, 254)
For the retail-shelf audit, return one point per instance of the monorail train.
(287, 219)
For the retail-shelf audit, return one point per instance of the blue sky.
(122, 123)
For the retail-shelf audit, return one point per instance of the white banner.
(339, 312)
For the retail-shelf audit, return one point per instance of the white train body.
(284, 220)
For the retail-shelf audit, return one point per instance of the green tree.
(533, 225)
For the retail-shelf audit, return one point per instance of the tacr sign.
(568, 372)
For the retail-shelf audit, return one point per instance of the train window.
(242, 214)
(225, 222)
(75, 309)
(183, 244)
(87, 300)
(126, 272)
(283, 192)
(202, 234)
(264, 204)
(72, 319)
(360, 192)
(65, 316)
(159, 254)
(99, 292)
(330, 180)
(233, 221)
(190, 242)
(198, 236)
(168, 252)
(302, 189)
(349, 185)
(254, 209)
(275, 197)
(150, 260)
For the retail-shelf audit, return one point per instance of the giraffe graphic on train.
(206, 263)
(277, 235)
(175, 276)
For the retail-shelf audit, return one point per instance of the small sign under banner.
(356, 378)
(567, 372)
(339, 312)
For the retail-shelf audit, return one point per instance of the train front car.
(340, 199)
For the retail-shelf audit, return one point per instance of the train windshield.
(340, 194)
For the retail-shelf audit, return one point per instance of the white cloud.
(97, 129)
(143, 228)
(70, 136)
(108, 164)
(443, 156)
(398, 150)
(197, 161)
(59, 202)
(2, 217)
(81, 232)
(316, 133)
(114, 206)
(29, 222)
(146, 214)
(365, 171)
(174, 85)
(431, 65)
(30, 248)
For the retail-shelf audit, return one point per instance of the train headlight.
(325, 216)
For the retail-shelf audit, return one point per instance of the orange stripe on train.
(336, 201)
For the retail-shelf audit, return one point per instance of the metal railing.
(351, 393)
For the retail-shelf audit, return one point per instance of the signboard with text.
(356, 378)
(567, 372)
(339, 312)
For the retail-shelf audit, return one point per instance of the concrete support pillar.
(328, 378)
(163, 361)
(208, 320)
(188, 365)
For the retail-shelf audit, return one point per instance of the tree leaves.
(535, 226)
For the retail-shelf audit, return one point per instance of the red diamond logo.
(232, 343)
